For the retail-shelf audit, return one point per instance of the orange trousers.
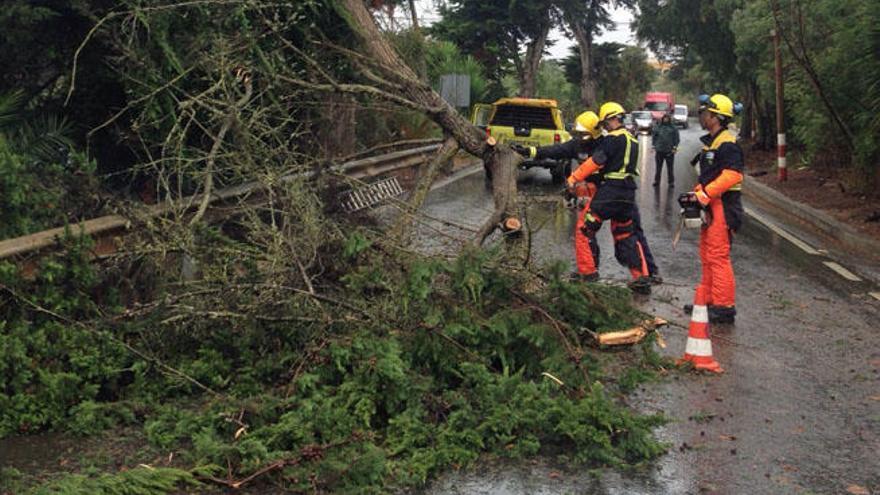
(586, 249)
(717, 280)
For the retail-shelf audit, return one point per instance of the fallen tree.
(398, 83)
(293, 344)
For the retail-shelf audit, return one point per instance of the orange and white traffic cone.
(698, 350)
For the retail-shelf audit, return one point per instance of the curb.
(817, 221)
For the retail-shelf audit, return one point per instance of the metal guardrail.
(110, 224)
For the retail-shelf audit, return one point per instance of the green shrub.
(50, 364)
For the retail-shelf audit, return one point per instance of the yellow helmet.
(610, 109)
(588, 122)
(717, 103)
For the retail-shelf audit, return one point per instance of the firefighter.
(718, 191)
(587, 133)
(615, 161)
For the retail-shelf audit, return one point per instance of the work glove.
(701, 196)
(525, 151)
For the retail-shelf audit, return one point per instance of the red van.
(659, 104)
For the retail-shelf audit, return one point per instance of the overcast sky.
(621, 32)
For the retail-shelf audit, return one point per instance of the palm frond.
(46, 137)
(11, 105)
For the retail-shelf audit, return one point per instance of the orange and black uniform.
(721, 175)
(586, 249)
(615, 162)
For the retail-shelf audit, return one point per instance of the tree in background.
(622, 72)
(39, 40)
(831, 67)
(553, 83)
(752, 25)
(585, 19)
(832, 50)
(444, 57)
(494, 31)
(699, 38)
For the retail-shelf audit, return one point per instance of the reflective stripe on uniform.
(698, 347)
(724, 136)
(630, 141)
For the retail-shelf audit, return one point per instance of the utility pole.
(780, 115)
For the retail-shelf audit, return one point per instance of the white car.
(644, 121)
(680, 116)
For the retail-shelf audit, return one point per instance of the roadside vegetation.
(829, 52)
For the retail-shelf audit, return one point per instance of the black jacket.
(713, 161)
(611, 155)
(575, 148)
(665, 137)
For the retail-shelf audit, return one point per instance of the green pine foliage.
(139, 481)
(51, 368)
(436, 364)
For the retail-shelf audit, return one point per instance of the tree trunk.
(585, 49)
(534, 52)
(337, 136)
(415, 16)
(748, 119)
(766, 122)
(500, 161)
(422, 58)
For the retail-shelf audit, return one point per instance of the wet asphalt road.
(798, 409)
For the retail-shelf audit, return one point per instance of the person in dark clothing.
(615, 161)
(665, 139)
(586, 136)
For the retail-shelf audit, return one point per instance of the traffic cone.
(698, 350)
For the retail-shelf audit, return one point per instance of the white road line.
(843, 272)
(782, 233)
(875, 295)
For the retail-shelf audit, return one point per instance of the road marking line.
(875, 295)
(782, 233)
(843, 272)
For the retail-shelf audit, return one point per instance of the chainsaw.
(576, 197)
(693, 216)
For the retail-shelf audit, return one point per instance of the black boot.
(717, 314)
(641, 285)
(584, 277)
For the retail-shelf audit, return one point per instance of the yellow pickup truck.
(527, 122)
